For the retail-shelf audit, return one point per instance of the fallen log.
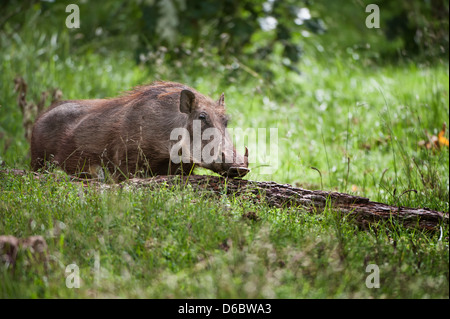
(358, 209)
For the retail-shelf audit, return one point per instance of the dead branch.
(358, 209)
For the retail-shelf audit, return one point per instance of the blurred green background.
(260, 33)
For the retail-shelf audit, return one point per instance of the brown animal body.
(131, 134)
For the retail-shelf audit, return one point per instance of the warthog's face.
(211, 146)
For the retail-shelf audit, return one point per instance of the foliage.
(258, 34)
(409, 30)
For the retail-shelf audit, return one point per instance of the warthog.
(133, 134)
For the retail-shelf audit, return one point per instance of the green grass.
(176, 244)
(358, 124)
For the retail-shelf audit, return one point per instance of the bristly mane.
(160, 90)
(153, 87)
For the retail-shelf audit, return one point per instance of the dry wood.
(358, 209)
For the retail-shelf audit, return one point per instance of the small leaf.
(443, 141)
(435, 142)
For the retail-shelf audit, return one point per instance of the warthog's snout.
(237, 172)
(237, 169)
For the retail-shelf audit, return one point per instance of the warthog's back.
(80, 134)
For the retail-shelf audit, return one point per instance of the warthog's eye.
(202, 116)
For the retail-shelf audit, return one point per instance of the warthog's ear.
(221, 101)
(187, 101)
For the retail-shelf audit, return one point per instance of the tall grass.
(354, 124)
(167, 243)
